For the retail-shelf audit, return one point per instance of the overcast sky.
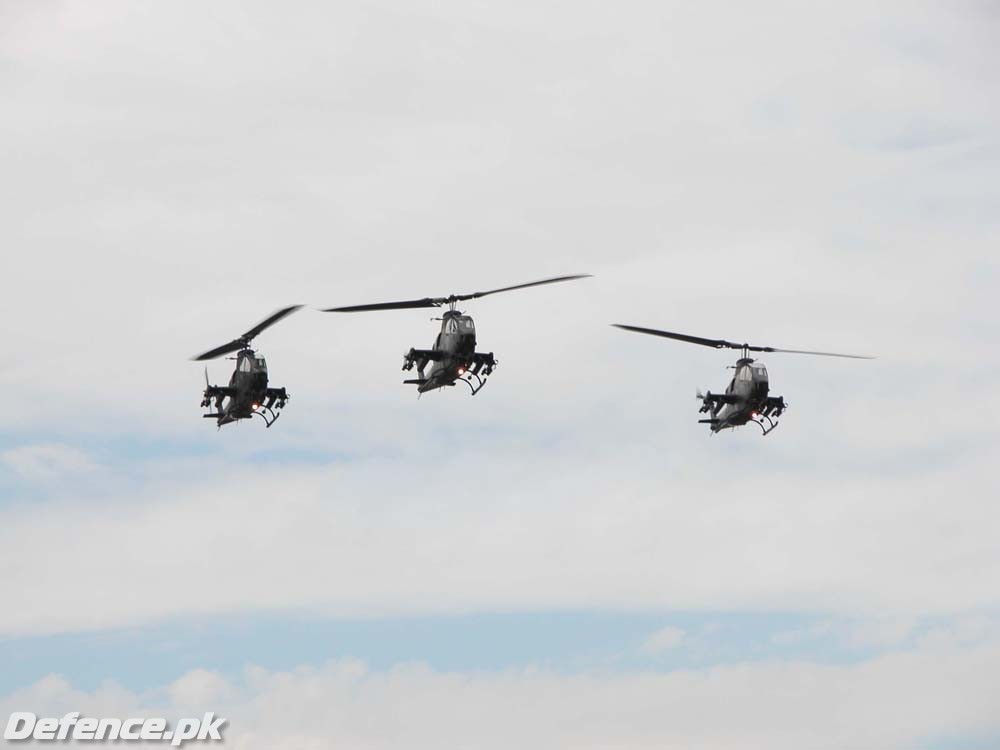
(568, 559)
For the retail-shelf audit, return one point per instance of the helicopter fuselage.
(247, 393)
(745, 400)
(452, 358)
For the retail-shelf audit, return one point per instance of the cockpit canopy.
(460, 325)
(753, 372)
(251, 362)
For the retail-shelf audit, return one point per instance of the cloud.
(662, 640)
(355, 538)
(894, 701)
(45, 461)
(197, 688)
(882, 632)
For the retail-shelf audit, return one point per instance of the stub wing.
(218, 394)
(431, 355)
(214, 391)
(420, 358)
(712, 403)
(718, 399)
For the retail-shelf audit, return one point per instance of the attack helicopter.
(454, 354)
(248, 393)
(747, 396)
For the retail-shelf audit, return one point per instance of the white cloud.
(197, 689)
(464, 534)
(664, 639)
(879, 632)
(882, 632)
(44, 461)
(895, 701)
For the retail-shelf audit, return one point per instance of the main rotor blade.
(723, 344)
(404, 305)
(270, 321)
(233, 346)
(553, 280)
(243, 341)
(818, 354)
(714, 343)
(438, 301)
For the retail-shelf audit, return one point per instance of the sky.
(567, 559)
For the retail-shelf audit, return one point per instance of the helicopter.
(746, 398)
(454, 354)
(247, 392)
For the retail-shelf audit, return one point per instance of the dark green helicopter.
(247, 394)
(746, 398)
(454, 354)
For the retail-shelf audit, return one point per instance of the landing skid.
(474, 387)
(269, 415)
(769, 428)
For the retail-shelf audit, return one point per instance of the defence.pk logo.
(24, 726)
